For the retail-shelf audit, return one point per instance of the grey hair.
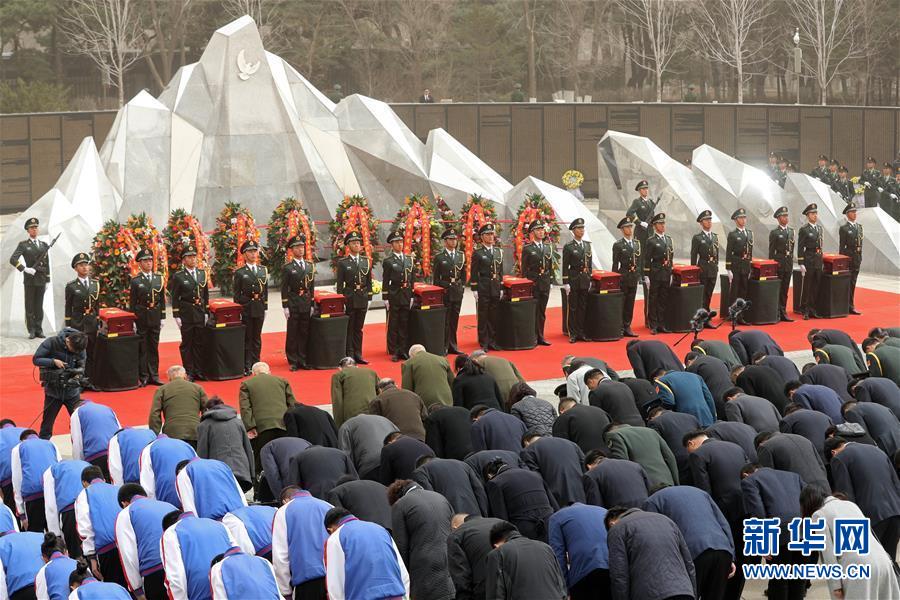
(175, 372)
(347, 361)
(415, 349)
(260, 367)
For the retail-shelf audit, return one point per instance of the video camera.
(739, 306)
(701, 318)
(66, 379)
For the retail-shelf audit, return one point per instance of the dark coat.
(312, 424)
(783, 365)
(643, 390)
(790, 452)
(868, 478)
(595, 363)
(687, 393)
(746, 343)
(646, 356)
(672, 426)
(421, 521)
(616, 399)
(275, 458)
(471, 390)
(841, 338)
(880, 390)
(560, 464)
(467, 551)
(495, 430)
(221, 435)
(583, 425)
(644, 542)
(448, 431)
(398, 459)
(616, 482)
(479, 460)
(716, 469)
(830, 376)
(404, 409)
(317, 469)
(765, 382)
(716, 375)
(772, 493)
(736, 433)
(811, 424)
(362, 437)
(537, 414)
(366, 499)
(880, 423)
(820, 398)
(758, 413)
(698, 517)
(522, 569)
(457, 482)
(521, 497)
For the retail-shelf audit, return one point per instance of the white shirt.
(84, 281)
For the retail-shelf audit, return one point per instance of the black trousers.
(712, 568)
(103, 463)
(90, 351)
(70, 533)
(888, 533)
(295, 340)
(656, 313)
(191, 347)
(355, 331)
(155, 586)
(398, 328)
(629, 292)
(52, 405)
(34, 512)
(709, 285)
(314, 589)
(540, 311)
(785, 278)
(789, 589)
(488, 312)
(111, 567)
(252, 340)
(452, 324)
(854, 275)
(262, 438)
(34, 308)
(26, 593)
(739, 287)
(8, 498)
(148, 352)
(576, 307)
(593, 586)
(810, 290)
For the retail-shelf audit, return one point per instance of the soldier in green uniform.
(298, 301)
(705, 254)
(397, 277)
(772, 167)
(147, 300)
(486, 281)
(781, 250)
(82, 306)
(869, 180)
(781, 175)
(251, 291)
(576, 277)
(449, 272)
(537, 265)
(354, 282)
(821, 170)
(189, 290)
(36, 273)
(738, 254)
(809, 257)
(843, 186)
(626, 261)
(641, 210)
(850, 243)
(894, 194)
(885, 188)
(833, 175)
(658, 252)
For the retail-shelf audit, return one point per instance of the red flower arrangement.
(115, 250)
(234, 226)
(288, 219)
(477, 211)
(534, 208)
(353, 214)
(182, 231)
(421, 232)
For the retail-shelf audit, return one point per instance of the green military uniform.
(354, 282)
(298, 297)
(809, 255)
(884, 361)
(738, 256)
(176, 409)
(850, 243)
(429, 376)
(352, 388)
(627, 262)
(645, 447)
(449, 272)
(147, 300)
(82, 308)
(821, 171)
(658, 253)
(251, 291)
(189, 290)
(577, 259)
(841, 356)
(264, 399)
(781, 250)
(869, 179)
(486, 279)
(718, 349)
(537, 265)
(34, 253)
(397, 276)
(641, 211)
(705, 255)
(843, 187)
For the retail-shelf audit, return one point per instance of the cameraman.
(61, 359)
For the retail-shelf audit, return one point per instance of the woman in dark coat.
(537, 414)
(421, 521)
(222, 436)
(472, 386)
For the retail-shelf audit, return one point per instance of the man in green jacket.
(834, 354)
(645, 447)
(352, 388)
(502, 370)
(176, 407)
(264, 398)
(883, 359)
(429, 376)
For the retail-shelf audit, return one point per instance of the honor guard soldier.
(449, 273)
(147, 300)
(537, 265)
(577, 266)
(189, 289)
(298, 301)
(36, 272)
(705, 254)
(82, 304)
(843, 186)
(821, 170)
(658, 252)
(486, 281)
(850, 237)
(886, 188)
(738, 255)
(397, 291)
(781, 175)
(781, 250)
(894, 194)
(833, 175)
(809, 257)
(354, 283)
(772, 167)
(251, 291)
(626, 261)
(641, 210)
(869, 180)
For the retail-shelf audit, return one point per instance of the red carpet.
(22, 396)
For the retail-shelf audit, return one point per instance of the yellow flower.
(572, 179)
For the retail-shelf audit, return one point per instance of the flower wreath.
(353, 214)
(412, 221)
(572, 179)
(288, 219)
(182, 231)
(535, 208)
(234, 226)
(477, 211)
(115, 250)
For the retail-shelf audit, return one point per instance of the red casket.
(685, 275)
(604, 281)
(426, 295)
(115, 322)
(329, 304)
(224, 313)
(762, 269)
(517, 288)
(835, 264)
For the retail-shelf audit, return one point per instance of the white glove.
(312, 309)
(730, 276)
(566, 287)
(205, 319)
(29, 270)
(411, 300)
(671, 279)
(803, 269)
(880, 189)
(894, 196)
(644, 224)
(475, 294)
(647, 281)
(387, 305)
(287, 313)
(867, 184)
(178, 322)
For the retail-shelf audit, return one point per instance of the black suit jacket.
(398, 459)
(617, 400)
(880, 390)
(457, 482)
(30, 251)
(717, 377)
(736, 433)
(790, 452)
(646, 356)
(448, 431)
(879, 422)
(366, 499)
(765, 382)
(617, 482)
(831, 376)
(317, 469)
(716, 469)
(868, 478)
(783, 366)
(312, 424)
(747, 342)
(561, 464)
(583, 425)
(771, 493)
(671, 427)
(810, 424)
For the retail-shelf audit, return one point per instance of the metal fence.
(519, 139)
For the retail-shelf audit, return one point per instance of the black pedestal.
(834, 295)
(797, 283)
(223, 352)
(724, 292)
(764, 299)
(327, 343)
(427, 327)
(115, 365)
(603, 316)
(681, 306)
(565, 311)
(515, 325)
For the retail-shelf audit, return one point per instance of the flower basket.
(234, 226)
(535, 208)
(110, 265)
(476, 212)
(421, 233)
(288, 219)
(182, 231)
(353, 214)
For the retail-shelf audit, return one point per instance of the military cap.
(835, 162)
(297, 240)
(249, 245)
(579, 222)
(738, 213)
(394, 236)
(871, 159)
(353, 236)
(486, 228)
(810, 209)
(626, 222)
(641, 185)
(449, 234)
(773, 154)
(706, 214)
(823, 157)
(81, 257)
(782, 159)
(658, 218)
(851, 206)
(32, 222)
(189, 251)
(887, 166)
(782, 211)
(535, 225)
(144, 254)
(843, 169)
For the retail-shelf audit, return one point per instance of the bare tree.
(165, 25)
(828, 30)
(420, 31)
(266, 15)
(656, 22)
(109, 33)
(725, 30)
